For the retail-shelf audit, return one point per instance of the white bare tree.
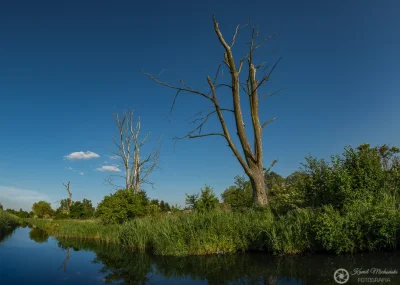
(137, 167)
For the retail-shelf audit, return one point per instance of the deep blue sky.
(66, 66)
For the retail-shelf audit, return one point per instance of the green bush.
(42, 209)
(81, 210)
(122, 206)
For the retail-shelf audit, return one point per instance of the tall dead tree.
(69, 193)
(251, 160)
(137, 167)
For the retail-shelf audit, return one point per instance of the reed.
(79, 229)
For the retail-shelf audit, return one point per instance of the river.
(30, 256)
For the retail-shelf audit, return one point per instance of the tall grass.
(371, 228)
(220, 232)
(88, 229)
(7, 223)
(363, 228)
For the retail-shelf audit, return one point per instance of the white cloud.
(81, 155)
(81, 173)
(109, 168)
(113, 156)
(20, 198)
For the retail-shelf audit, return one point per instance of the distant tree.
(89, 209)
(154, 202)
(122, 206)
(207, 200)
(167, 207)
(191, 200)
(176, 208)
(1, 207)
(81, 210)
(162, 206)
(42, 209)
(238, 197)
(64, 207)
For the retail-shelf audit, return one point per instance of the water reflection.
(119, 265)
(31, 252)
(38, 235)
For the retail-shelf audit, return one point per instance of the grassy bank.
(7, 223)
(87, 229)
(365, 228)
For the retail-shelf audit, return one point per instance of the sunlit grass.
(220, 232)
(88, 229)
(298, 231)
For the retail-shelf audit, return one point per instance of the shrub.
(122, 206)
(42, 209)
(81, 210)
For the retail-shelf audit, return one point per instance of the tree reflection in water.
(38, 235)
(126, 267)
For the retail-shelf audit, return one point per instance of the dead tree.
(250, 159)
(69, 193)
(64, 264)
(137, 168)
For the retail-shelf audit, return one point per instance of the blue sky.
(66, 66)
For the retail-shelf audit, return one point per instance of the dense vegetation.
(7, 223)
(347, 204)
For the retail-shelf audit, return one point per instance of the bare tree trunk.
(251, 160)
(137, 169)
(64, 264)
(258, 185)
(69, 193)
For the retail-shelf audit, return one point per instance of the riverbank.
(79, 229)
(300, 231)
(7, 224)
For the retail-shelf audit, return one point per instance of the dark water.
(29, 256)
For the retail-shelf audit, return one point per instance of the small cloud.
(81, 155)
(113, 156)
(111, 168)
(81, 173)
(70, 168)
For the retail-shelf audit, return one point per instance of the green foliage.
(205, 201)
(1, 207)
(122, 206)
(81, 210)
(7, 223)
(191, 200)
(361, 174)
(64, 207)
(42, 209)
(164, 207)
(238, 197)
(20, 214)
(38, 235)
(79, 229)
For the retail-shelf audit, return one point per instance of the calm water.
(29, 256)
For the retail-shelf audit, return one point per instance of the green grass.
(7, 223)
(220, 232)
(369, 228)
(87, 229)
